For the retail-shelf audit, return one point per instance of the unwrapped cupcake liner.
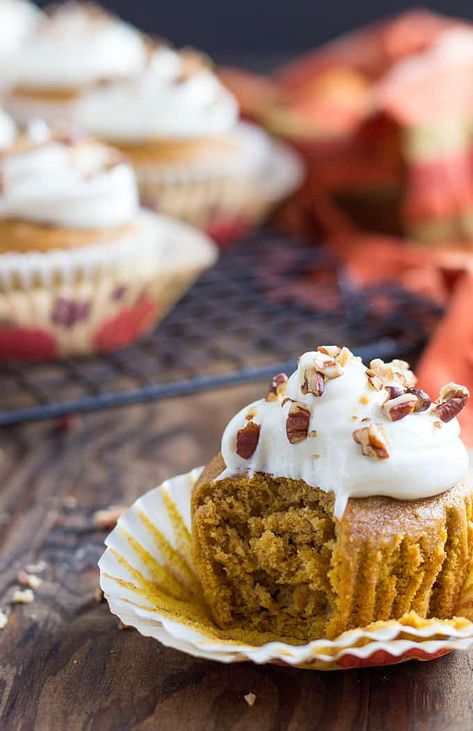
(149, 580)
(225, 200)
(97, 298)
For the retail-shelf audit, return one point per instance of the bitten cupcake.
(337, 500)
(17, 21)
(194, 160)
(75, 46)
(82, 268)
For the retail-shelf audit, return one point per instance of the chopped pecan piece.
(374, 381)
(423, 399)
(328, 366)
(372, 440)
(393, 392)
(341, 355)
(396, 370)
(451, 401)
(400, 406)
(247, 440)
(277, 387)
(297, 422)
(313, 382)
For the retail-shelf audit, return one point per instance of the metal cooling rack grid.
(267, 300)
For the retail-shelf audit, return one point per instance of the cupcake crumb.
(3, 619)
(30, 580)
(69, 501)
(106, 519)
(364, 399)
(22, 596)
(36, 568)
(250, 698)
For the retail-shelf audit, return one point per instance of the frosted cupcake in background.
(17, 21)
(75, 46)
(82, 268)
(193, 158)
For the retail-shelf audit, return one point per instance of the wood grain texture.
(64, 663)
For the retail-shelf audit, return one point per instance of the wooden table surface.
(64, 663)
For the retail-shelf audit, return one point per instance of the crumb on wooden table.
(250, 698)
(22, 596)
(36, 568)
(106, 519)
(3, 619)
(29, 580)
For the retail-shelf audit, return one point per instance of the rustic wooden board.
(64, 663)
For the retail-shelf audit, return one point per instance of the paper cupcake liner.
(148, 578)
(224, 201)
(97, 298)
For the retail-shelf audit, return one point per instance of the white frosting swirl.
(8, 131)
(78, 184)
(75, 46)
(17, 20)
(160, 102)
(425, 459)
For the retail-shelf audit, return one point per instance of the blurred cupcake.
(194, 160)
(82, 268)
(17, 21)
(75, 46)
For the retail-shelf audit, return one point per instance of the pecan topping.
(314, 382)
(372, 440)
(451, 401)
(393, 392)
(396, 370)
(400, 406)
(423, 399)
(276, 387)
(297, 422)
(374, 381)
(247, 440)
(341, 355)
(328, 366)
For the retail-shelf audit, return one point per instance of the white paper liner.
(157, 264)
(148, 560)
(266, 173)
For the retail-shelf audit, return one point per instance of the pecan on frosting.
(297, 422)
(451, 400)
(247, 440)
(372, 440)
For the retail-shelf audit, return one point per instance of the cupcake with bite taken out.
(339, 499)
(194, 160)
(82, 268)
(75, 46)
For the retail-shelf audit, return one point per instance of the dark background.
(272, 29)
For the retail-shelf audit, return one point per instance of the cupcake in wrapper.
(82, 268)
(333, 529)
(75, 46)
(193, 159)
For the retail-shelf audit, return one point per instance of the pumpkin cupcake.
(194, 160)
(75, 46)
(82, 267)
(337, 500)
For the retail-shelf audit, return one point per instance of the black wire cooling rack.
(267, 300)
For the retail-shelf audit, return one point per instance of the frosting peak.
(75, 45)
(17, 20)
(73, 183)
(175, 95)
(351, 430)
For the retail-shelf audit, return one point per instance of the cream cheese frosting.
(17, 21)
(326, 439)
(8, 131)
(164, 100)
(75, 46)
(49, 179)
